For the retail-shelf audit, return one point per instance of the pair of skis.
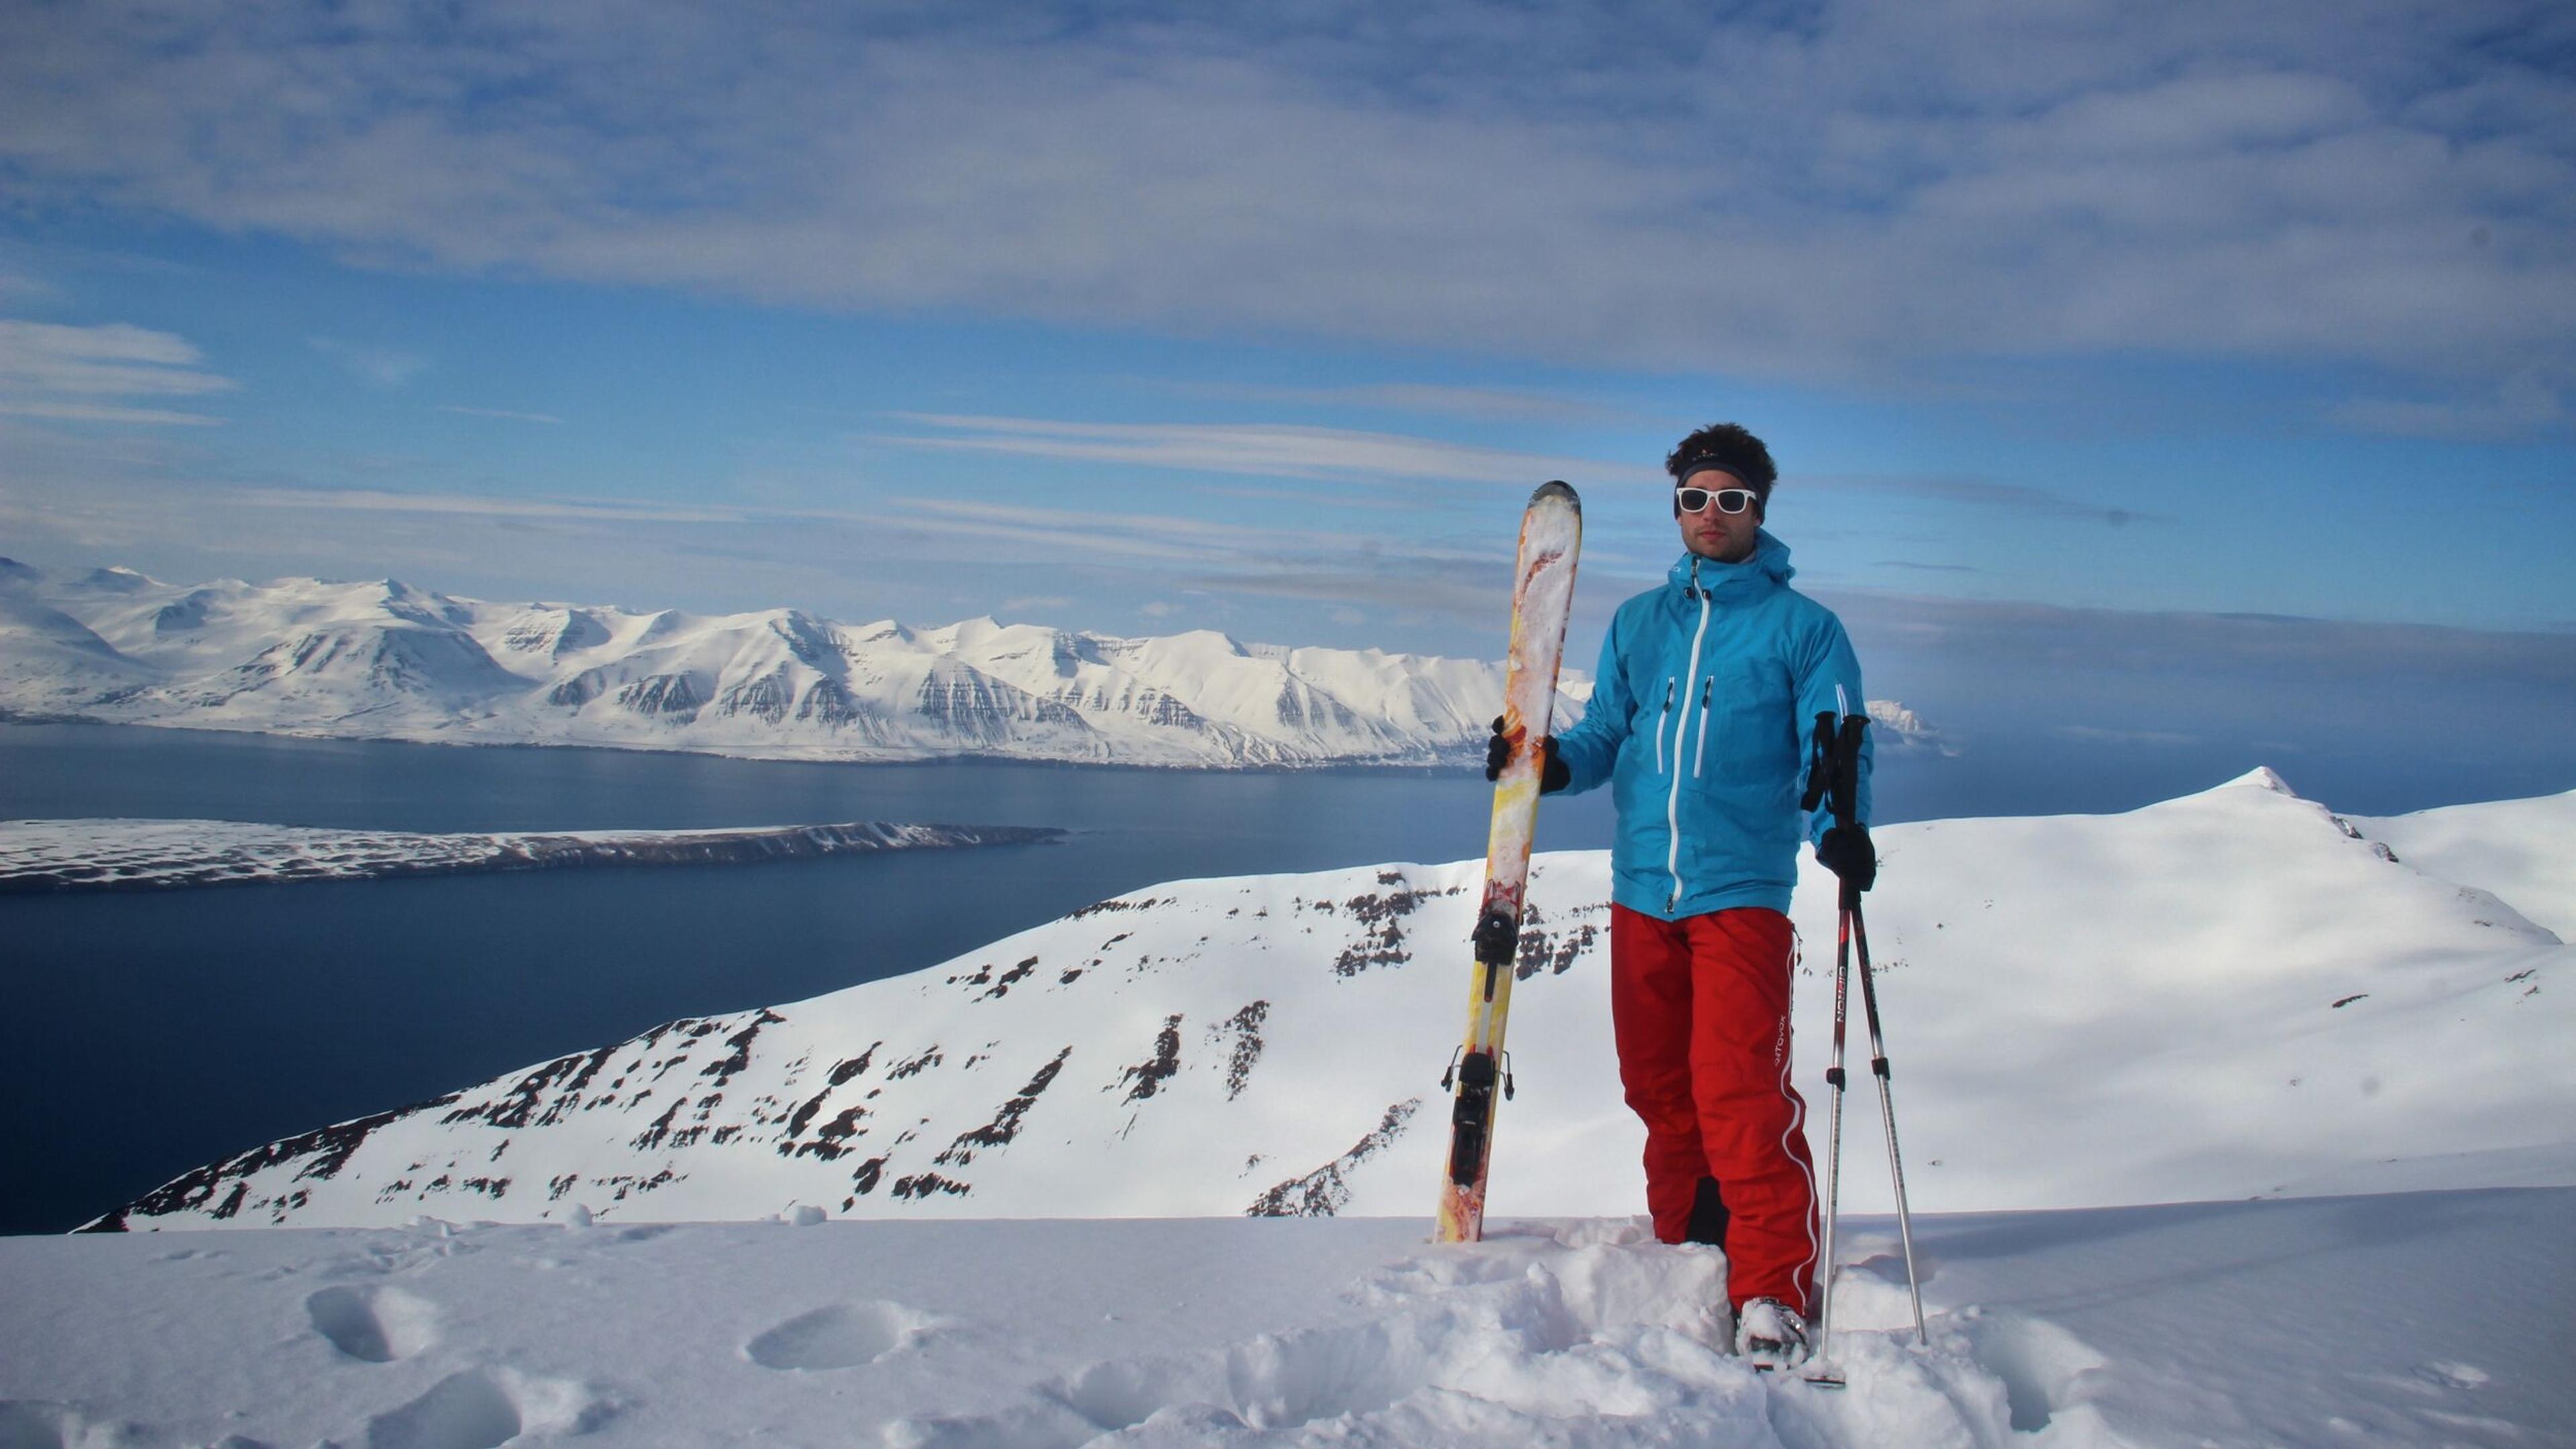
(1542, 592)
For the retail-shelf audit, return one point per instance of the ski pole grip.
(1820, 762)
(1847, 769)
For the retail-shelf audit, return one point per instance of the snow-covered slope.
(383, 660)
(60, 855)
(2523, 850)
(2226, 995)
(2398, 1320)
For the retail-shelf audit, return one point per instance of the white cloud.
(76, 412)
(1270, 450)
(83, 374)
(359, 500)
(1857, 188)
(1496, 404)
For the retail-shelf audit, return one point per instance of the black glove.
(1846, 852)
(1553, 774)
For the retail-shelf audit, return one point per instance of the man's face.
(1712, 532)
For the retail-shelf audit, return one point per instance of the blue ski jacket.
(1700, 722)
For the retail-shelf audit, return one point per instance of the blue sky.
(2074, 326)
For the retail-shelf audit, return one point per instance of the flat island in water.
(70, 855)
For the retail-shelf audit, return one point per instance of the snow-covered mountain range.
(2236, 993)
(383, 660)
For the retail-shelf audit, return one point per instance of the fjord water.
(150, 1031)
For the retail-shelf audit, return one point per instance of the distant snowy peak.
(384, 659)
(1906, 729)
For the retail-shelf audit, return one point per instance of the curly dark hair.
(1728, 446)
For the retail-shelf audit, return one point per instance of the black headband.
(1705, 461)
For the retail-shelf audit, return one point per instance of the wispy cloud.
(2524, 404)
(501, 413)
(1484, 404)
(1987, 493)
(1267, 450)
(85, 374)
(354, 500)
(375, 363)
(1874, 186)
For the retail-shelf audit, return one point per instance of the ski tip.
(1557, 490)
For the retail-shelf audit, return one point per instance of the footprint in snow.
(373, 1324)
(486, 1408)
(2044, 1368)
(842, 1335)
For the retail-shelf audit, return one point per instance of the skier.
(1698, 722)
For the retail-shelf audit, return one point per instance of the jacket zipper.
(1701, 748)
(1673, 806)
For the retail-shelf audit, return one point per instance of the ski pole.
(1887, 1111)
(1834, 1131)
(1835, 773)
(1824, 780)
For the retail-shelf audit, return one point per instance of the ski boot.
(1769, 1334)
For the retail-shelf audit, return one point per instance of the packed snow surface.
(384, 660)
(2398, 1320)
(2227, 995)
(58, 855)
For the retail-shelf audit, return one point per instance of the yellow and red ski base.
(1542, 592)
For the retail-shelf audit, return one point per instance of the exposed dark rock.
(1326, 1190)
(1015, 974)
(1245, 1027)
(740, 1041)
(855, 1066)
(1147, 1077)
(664, 696)
(767, 698)
(518, 1107)
(1006, 1122)
(328, 1149)
(922, 1185)
(1114, 904)
(915, 1067)
(654, 1136)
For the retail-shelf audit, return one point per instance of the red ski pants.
(1700, 1007)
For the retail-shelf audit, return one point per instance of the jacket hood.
(1767, 568)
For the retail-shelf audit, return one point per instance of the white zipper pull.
(1696, 754)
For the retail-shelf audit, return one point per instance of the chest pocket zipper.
(1660, 721)
(1705, 685)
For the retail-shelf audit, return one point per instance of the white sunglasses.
(1729, 500)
